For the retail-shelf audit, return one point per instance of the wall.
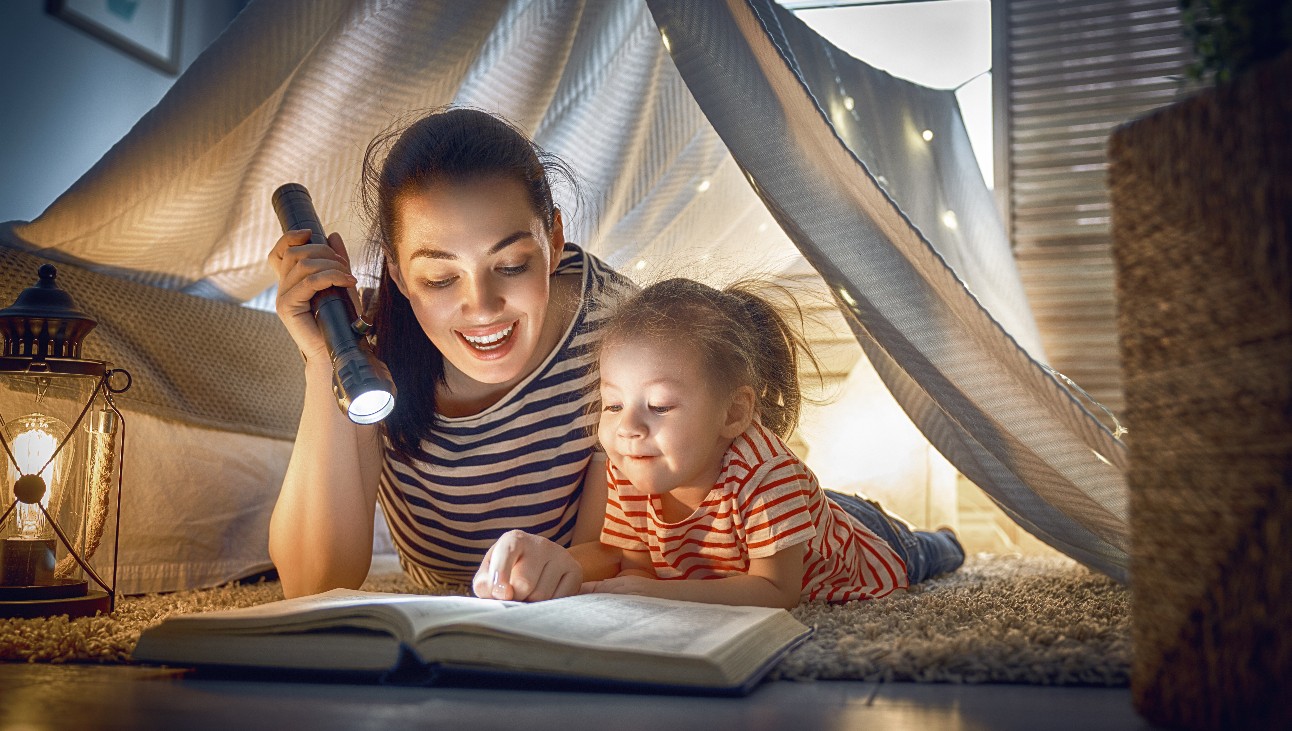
(68, 96)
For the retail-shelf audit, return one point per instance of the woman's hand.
(527, 568)
(304, 269)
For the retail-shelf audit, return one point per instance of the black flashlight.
(363, 392)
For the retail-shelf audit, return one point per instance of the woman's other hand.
(304, 269)
(527, 568)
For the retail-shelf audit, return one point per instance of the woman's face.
(475, 261)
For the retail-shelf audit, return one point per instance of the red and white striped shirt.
(765, 500)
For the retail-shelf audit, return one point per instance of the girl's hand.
(635, 585)
(527, 568)
(304, 269)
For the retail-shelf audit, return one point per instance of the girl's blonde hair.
(743, 337)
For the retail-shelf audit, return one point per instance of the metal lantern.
(62, 440)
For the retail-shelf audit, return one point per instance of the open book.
(607, 640)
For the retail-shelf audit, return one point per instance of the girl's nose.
(630, 425)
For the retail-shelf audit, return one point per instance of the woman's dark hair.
(454, 145)
(743, 338)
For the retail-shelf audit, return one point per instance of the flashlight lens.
(370, 407)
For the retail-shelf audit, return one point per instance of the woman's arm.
(320, 533)
(775, 581)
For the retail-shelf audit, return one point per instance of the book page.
(405, 616)
(639, 624)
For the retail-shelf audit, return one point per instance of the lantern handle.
(107, 380)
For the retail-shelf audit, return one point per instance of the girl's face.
(475, 262)
(662, 422)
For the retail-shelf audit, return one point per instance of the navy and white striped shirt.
(517, 464)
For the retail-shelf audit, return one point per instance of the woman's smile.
(490, 342)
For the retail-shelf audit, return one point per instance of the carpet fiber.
(999, 619)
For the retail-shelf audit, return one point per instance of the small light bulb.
(927, 135)
(641, 264)
(703, 186)
(848, 103)
(949, 219)
(847, 297)
(664, 37)
(34, 440)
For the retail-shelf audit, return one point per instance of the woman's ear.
(740, 412)
(557, 242)
(392, 269)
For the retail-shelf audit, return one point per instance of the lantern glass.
(57, 426)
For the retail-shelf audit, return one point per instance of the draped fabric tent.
(691, 126)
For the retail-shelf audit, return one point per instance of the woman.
(487, 320)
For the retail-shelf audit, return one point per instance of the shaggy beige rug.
(999, 619)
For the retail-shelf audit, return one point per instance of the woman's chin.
(497, 365)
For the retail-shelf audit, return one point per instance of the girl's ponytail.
(774, 352)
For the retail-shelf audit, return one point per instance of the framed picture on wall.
(149, 30)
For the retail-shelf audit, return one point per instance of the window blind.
(1065, 73)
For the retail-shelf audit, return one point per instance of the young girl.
(488, 320)
(706, 503)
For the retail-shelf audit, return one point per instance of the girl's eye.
(440, 283)
(661, 409)
(514, 270)
(613, 408)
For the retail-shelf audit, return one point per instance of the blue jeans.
(926, 554)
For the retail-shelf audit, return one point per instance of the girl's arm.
(597, 560)
(775, 581)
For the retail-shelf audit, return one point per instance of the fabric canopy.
(684, 163)
(981, 399)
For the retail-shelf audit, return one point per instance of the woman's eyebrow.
(428, 253)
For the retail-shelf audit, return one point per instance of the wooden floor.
(85, 698)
